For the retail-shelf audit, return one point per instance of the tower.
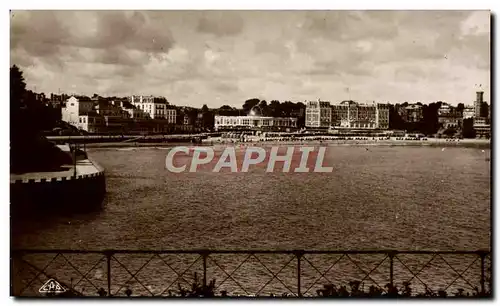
(477, 104)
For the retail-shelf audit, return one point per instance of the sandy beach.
(475, 143)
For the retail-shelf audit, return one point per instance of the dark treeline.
(28, 117)
(429, 124)
(27, 112)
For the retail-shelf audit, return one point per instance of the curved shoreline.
(465, 143)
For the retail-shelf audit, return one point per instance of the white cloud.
(196, 58)
(477, 23)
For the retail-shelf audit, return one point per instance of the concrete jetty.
(76, 187)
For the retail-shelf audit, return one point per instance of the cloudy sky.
(215, 58)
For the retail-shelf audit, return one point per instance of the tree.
(208, 118)
(275, 108)
(226, 110)
(264, 108)
(395, 120)
(225, 107)
(247, 106)
(468, 128)
(483, 111)
(29, 151)
(430, 123)
(17, 88)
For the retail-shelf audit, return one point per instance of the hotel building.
(318, 114)
(349, 114)
(156, 107)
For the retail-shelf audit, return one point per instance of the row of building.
(349, 115)
(318, 115)
(452, 117)
(149, 114)
(133, 114)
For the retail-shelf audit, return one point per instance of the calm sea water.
(378, 198)
(405, 198)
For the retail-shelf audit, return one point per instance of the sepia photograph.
(283, 154)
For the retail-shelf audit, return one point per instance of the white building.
(74, 108)
(135, 112)
(255, 121)
(468, 112)
(350, 114)
(156, 107)
(171, 115)
(318, 114)
(382, 113)
(91, 122)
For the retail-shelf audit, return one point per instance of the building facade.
(171, 115)
(156, 107)
(255, 121)
(382, 116)
(74, 108)
(413, 113)
(318, 114)
(477, 104)
(349, 114)
(468, 112)
(101, 115)
(482, 127)
(91, 122)
(481, 124)
(449, 117)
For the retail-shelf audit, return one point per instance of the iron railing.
(248, 272)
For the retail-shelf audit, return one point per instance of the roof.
(90, 113)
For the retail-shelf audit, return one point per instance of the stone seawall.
(55, 192)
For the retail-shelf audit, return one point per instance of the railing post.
(482, 256)
(204, 255)
(108, 260)
(391, 268)
(299, 257)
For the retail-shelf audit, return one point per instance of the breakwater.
(127, 138)
(78, 188)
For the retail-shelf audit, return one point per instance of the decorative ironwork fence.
(297, 273)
